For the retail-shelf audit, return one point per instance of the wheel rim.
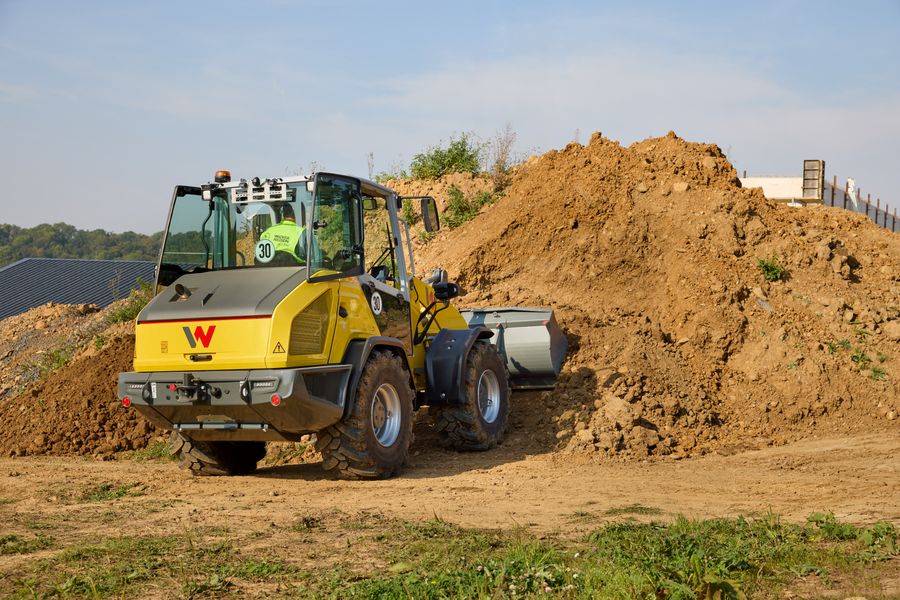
(488, 396)
(386, 415)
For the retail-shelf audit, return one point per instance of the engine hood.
(224, 294)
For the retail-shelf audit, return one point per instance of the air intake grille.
(310, 327)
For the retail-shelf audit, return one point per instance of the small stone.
(709, 163)
(681, 186)
(887, 270)
(757, 291)
(642, 187)
(891, 416)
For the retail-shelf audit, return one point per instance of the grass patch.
(158, 450)
(633, 509)
(684, 559)
(104, 492)
(13, 544)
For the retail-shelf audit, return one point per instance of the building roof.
(33, 282)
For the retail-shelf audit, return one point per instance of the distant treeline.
(65, 241)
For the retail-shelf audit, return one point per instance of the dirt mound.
(677, 343)
(75, 410)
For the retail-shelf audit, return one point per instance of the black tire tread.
(461, 427)
(344, 446)
(216, 458)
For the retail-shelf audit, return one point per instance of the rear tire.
(481, 422)
(373, 442)
(216, 458)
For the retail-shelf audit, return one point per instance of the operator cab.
(312, 223)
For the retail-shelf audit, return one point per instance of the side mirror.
(430, 215)
(370, 203)
(445, 290)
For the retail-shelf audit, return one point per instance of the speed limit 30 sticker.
(265, 251)
(376, 303)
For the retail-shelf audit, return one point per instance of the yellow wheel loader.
(291, 306)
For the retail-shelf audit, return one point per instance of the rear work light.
(126, 401)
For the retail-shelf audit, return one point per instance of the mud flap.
(445, 364)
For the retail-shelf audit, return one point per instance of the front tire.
(373, 442)
(482, 421)
(216, 458)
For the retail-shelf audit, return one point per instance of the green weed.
(137, 300)
(99, 341)
(771, 269)
(460, 210)
(105, 491)
(409, 215)
(791, 365)
(881, 357)
(877, 374)
(860, 358)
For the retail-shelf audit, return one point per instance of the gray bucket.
(530, 340)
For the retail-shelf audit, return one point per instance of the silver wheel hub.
(386, 418)
(488, 396)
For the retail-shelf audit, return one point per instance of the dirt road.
(856, 477)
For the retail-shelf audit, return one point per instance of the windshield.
(264, 226)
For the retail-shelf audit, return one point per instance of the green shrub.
(771, 269)
(460, 210)
(461, 156)
(137, 300)
(396, 171)
(409, 215)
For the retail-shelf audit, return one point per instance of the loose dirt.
(691, 383)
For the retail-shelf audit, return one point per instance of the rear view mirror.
(370, 203)
(430, 215)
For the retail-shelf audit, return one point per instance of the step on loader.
(291, 306)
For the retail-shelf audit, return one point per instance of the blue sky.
(105, 106)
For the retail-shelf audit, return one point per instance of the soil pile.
(74, 410)
(678, 346)
(677, 343)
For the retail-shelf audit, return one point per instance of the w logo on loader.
(205, 338)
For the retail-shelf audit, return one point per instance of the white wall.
(776, 187)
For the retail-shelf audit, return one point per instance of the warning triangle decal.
(279, 349)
